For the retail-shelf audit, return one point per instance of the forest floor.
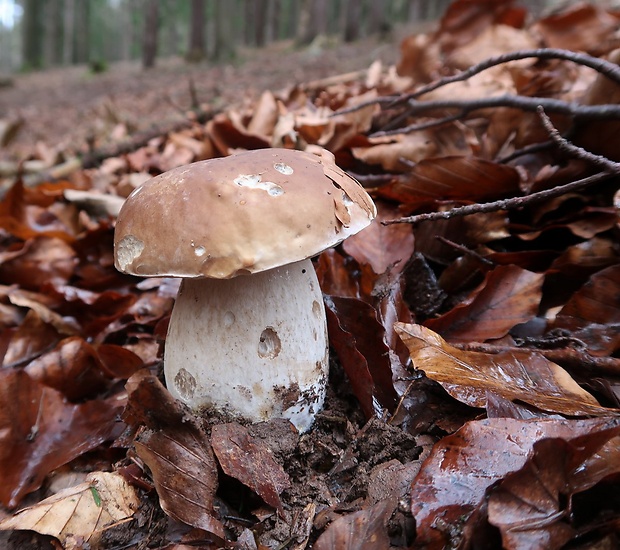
(65, 108)
(474, 388)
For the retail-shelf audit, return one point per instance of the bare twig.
(607, 68)
(139, 139)
(524, 103)
(504, 204)
(610, 168)
(466, 251)
(526, 150)
(573, 150)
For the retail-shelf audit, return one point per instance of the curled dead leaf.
(79, 515)
(520, 376)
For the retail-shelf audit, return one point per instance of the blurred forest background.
(39, 34)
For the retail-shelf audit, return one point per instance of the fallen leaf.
(176, 451)
(453, 481)
(363, 530)
(32, 338)
(456, 178)
(249, 461)
(72, 368)
(508, 296)
(592, 314)
(381, 246)
(40, 431)
(464, 20)
(580, 27)
(358, 338)
(24, 213)
(185, 475)
(265, 115)
(524, 376)
(40, 260)
(79, 515)
(533, 506)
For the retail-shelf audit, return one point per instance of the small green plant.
(97, 66)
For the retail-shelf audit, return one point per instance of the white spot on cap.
(249, 180)
(200, 251)
(275, 190)
(254, 181)
(127, 250)
(283, 168)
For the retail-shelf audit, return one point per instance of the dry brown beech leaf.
(518, 376)
(185, 475)
(79, 515)
(508, 296)
(363, 530)
(176, 451)
(249, 461)
(592, 314)
(382, 246)
(456, 177)
(40, 431)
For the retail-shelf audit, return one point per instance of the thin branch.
(606, 68)
(417, 127)
(610, 168)
(526, 150)
(505, 204)
(573, 150)
(140, 139)
(524, 103)
(466, 251)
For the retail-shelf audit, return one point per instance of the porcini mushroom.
(247, 335)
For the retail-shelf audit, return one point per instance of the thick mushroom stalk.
(260, 340)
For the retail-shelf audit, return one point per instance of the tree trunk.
(320, 23)
(68, 24)
(224, 39)
(197, 44)
(351, 14)
(378, 21)
(81, 32)
(149, 36)
(248, 23)
(127, 29)
(312, 21)
(52, 24)
(291, 17)
(260, 23)
(32, 46)
(415, 11)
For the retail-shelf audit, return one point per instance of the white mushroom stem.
(254, 346)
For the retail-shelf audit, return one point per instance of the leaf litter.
(474, 395)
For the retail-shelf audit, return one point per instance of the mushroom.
(247, 334)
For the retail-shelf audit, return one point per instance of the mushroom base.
(254, 346)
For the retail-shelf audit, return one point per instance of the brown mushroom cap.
(244, 213)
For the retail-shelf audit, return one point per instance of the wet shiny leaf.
(455, 478)
(521, 375)
(508, 296)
